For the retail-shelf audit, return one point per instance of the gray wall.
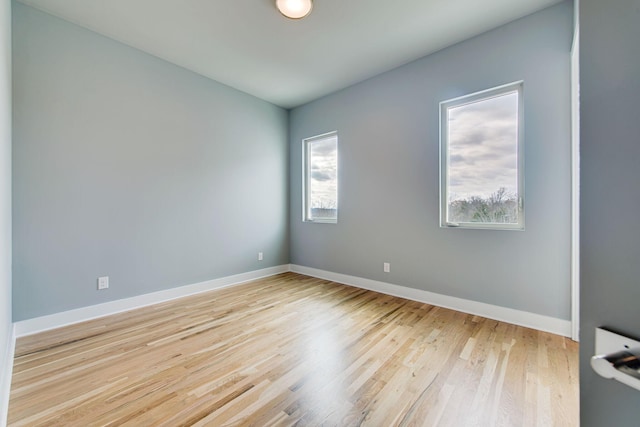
(128, 166)
(610, 197)
(5, 186)
(389, 179)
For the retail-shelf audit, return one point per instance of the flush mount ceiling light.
(294, 9)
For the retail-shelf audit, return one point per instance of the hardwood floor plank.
(292, 350)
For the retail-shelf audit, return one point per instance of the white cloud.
(482, 147)
(324, 173)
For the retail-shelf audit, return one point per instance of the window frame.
(306, 181)
(494, 92)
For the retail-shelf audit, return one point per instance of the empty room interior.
(270, 213)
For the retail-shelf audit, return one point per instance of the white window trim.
(306, 182)
(444, 158)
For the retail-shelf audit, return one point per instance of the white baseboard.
(57, 320)
(504, 314)
(7, 373)
(509, 315)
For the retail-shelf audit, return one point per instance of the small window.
(321, 178)
(481, 160)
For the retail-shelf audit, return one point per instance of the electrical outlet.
(386, 267)
(260, 257)
(103, 282)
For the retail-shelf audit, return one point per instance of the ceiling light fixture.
(294, 9)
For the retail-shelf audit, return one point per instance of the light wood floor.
(294, 350)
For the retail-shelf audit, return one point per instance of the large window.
(481, 159)
(321, 178)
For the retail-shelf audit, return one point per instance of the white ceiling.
(248, 45)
